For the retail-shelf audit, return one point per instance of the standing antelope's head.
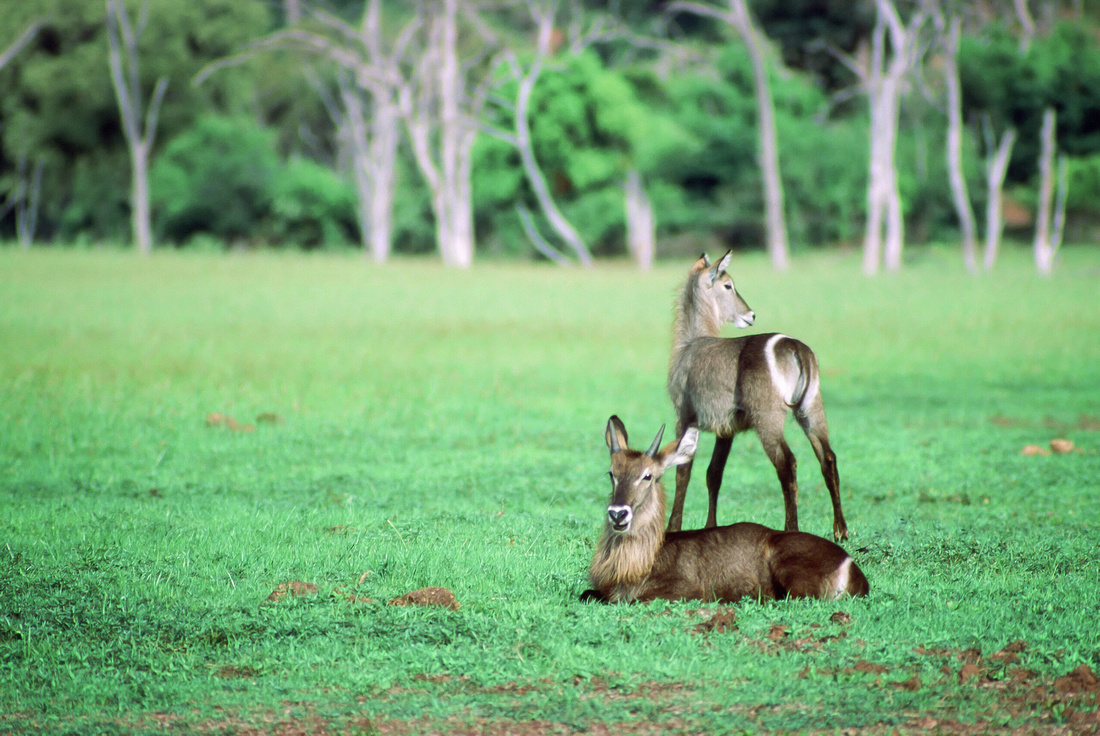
(637, 498)
(715, 288)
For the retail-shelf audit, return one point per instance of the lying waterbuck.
(729, 385)
(636, 560)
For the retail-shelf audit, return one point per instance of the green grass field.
(415, 426)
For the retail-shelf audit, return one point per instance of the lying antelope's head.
(637, 498)
(717, 289)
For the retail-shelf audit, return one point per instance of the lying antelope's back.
(750, 560)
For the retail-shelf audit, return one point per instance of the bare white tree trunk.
(373, 148)
(1027, 25)
(368, 113)
(767, 139)
(443, 107)
(996, 168)
(959, 193)
(292, 9)
(352, 124)
(20, 43)
(123, 41)
(641, 225)
(456, 134)
(520, 137)
(885, 234)
(1048, 226)
(740, 19)
(385, 133)
(26, 201)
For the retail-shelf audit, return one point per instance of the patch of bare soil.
(428, 597)
(718, 621)
(292, 589)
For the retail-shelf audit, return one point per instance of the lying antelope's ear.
(656, 444)
(615, 435)
(700, 264)
(680, 451)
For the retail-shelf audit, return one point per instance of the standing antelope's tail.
(808, 386)
(793, 368)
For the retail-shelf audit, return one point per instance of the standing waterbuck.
(728, 385)
(637, 560)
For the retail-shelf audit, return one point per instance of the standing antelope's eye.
(647, 476)
(728, 285)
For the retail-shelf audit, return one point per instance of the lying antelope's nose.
(751, 317)
(619, 516)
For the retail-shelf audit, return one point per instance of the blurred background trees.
(543, 127)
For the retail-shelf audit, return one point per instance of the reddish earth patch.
(293, 589)
(1061, 447)
(217, 419)
(1081, 680)
(232, 672)
(718, 621)
(870, 667)
(428, 597)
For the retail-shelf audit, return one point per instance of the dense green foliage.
(679, 109)
(224, 178)
(1061, 70)
(429, 427)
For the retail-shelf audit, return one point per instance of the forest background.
(563, 130)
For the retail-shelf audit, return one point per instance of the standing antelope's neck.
(696, 316)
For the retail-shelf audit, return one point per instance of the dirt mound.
(428, 597)
(293, 589)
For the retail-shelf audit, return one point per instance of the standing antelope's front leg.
(683, 477)
(714, 475)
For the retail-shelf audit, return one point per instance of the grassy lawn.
(409, 426)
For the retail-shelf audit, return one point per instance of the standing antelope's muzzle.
(620, 517)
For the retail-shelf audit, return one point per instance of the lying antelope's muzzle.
(619, 516)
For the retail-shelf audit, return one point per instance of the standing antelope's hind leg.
(714, 475)
(813, 424)
(786, 467)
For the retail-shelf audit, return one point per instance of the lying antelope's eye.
(647, 476)
(728, 285)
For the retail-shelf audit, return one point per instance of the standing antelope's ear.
(725, 262)
(615, 435)
(720, 268)
(700, 264)
(680, 451)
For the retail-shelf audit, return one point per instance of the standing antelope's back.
(718, 383)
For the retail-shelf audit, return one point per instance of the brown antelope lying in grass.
(636, 560)
(729, 385)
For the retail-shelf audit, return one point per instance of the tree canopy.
(258, 153)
